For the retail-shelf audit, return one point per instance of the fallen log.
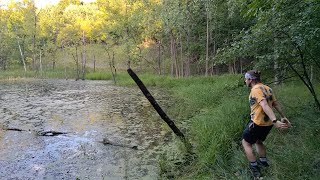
(156, 106)
(13, 129)
(50, 133)
(106, 141)
(39, 133)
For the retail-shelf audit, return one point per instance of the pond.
(66, 129)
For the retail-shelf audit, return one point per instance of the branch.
(309, 84)
(313, 59)
(156, 106)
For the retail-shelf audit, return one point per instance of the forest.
(178, 38)
(190, 41)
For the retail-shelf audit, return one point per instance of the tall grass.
(98, 76)
(20, 73)
(57, 73)
(213, 112)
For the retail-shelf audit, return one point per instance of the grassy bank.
(58, 73)
(213, 111)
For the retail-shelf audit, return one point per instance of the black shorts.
(252, 133)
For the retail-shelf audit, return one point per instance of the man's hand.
(285, 120)
(281, 125)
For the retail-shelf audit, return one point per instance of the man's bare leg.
(252, 158)
(261, 149)
(248, 150)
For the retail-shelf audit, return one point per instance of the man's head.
(252, 77)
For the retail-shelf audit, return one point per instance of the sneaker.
(255, 170)
(263, 164)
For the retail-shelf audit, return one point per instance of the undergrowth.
(213, 111)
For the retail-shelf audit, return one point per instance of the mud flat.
(66, 129)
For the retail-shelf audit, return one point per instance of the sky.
(42, 3)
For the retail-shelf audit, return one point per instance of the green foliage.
(266, 31)
(276, 35)
(99, 76)
(282, 39)
(18, 73)
(213, 112)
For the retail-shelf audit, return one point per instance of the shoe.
(255, 170)
(263, 164)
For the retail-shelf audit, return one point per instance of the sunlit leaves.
(82, 16)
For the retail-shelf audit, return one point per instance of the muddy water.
(85, 112)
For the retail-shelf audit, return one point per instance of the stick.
(155, 105)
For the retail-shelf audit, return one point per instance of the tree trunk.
(54, 59)
(176, 64)
(22, 56)
(94, 63)
(235, 69)
(276, 74)
(187, 66)
(53, 65)
(83, 57)
(181, 58)
(230, 68)
(34, 41)
(156, 106)
(305, 77)
(159, 58)
(76, 59)
(172, 54)
(113, 75)
(114, 67)
(40, 61)
(214, 54)
(207, 44)
(65, 64)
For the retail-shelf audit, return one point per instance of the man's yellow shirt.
(258, 93)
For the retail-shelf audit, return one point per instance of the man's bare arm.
(267, 109)
(284, 119)
(277, 106)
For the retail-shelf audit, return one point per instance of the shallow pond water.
(57, 129)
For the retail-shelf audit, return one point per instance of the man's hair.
(253, 74)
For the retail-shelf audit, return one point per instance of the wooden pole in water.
(156, 105)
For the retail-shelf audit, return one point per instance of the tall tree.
(285, 35)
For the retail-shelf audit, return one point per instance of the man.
(261, 101)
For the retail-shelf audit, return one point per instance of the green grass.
(98, 76)
(58, 73)
(212, 113)
(16, 74)
(20, 73)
